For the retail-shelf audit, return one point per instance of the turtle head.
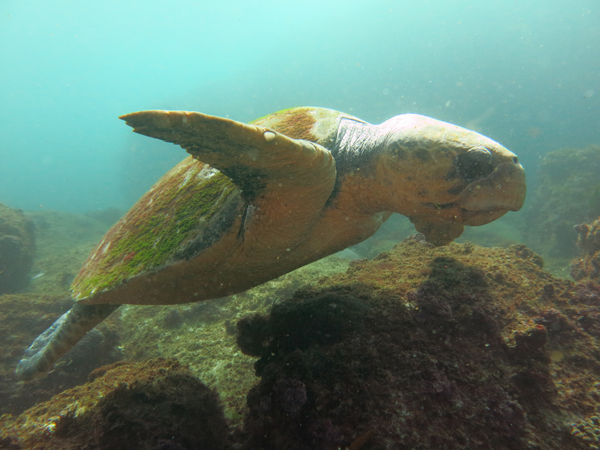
(444, 177)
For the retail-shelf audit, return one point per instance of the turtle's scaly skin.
(256, 201)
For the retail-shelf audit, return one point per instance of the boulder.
(17, 249)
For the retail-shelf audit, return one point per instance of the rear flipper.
(63, 335)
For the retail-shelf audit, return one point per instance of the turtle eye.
(474, 164)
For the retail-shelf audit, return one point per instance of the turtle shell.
(187, 211)
(189, 208)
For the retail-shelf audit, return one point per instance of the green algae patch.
(163, 227)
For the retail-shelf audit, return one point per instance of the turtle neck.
(354, 145)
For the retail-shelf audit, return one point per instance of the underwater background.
(523, 73)
(492, 342)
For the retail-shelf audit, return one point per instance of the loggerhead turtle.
(256, 201)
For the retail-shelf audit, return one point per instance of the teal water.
(526, 73)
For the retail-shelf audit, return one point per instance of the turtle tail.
(57, 340)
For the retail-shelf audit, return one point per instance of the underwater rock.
(568, 193)
(588, 266)
(17, 249)
(155, 405)
(307, 322)
(23, 316)
(587, 430)
(454, 347)
(63, 242)
(203, 335)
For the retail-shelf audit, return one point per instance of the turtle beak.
(489, 198)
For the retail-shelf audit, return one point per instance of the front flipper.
(286, 182)
(438, 233)
(257, 159)
(63, 335)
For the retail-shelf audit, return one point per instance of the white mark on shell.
(188, 175)
(269, 136)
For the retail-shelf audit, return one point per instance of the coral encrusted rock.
(457, 347)
(17, 249)
(567, 194)
(588, 266)
(155, 405)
